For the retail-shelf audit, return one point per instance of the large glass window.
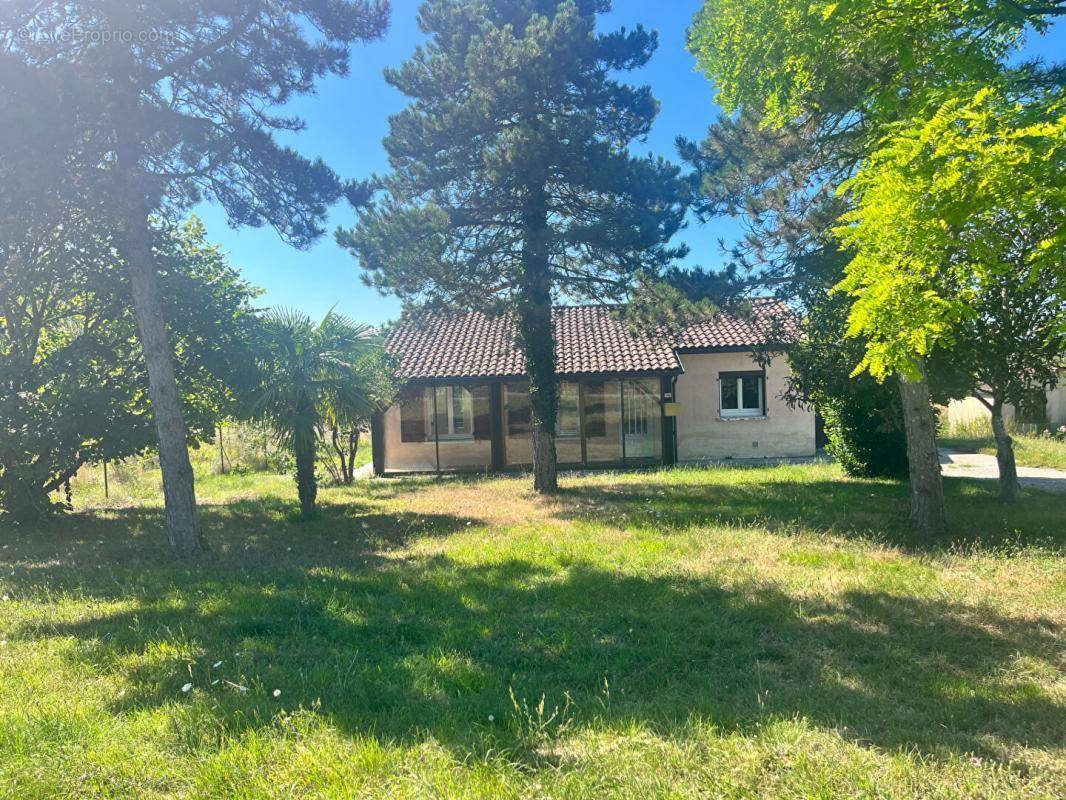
(455, 412)
(742, 394)
(603, 421)
(642, 419)
(568, 417)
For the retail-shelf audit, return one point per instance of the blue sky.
(347, 119)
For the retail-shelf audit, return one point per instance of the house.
(1048, 410)
(625, 399)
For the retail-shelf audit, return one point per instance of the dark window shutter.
(413, 417)
(595, 410)
(482, 412)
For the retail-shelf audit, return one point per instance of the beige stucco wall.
(1056, 403)
(403, 456)
(702, 434)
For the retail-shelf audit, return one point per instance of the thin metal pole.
(107, 494)
(221, 452)
(436, 429)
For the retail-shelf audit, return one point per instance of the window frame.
(450, 434)
(741, 411)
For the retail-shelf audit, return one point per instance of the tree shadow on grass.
(245, 534)
(384, 642)
(867, 509)
(432, 645)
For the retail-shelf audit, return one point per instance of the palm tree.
(311, 373)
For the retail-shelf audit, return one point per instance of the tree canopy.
(512, 183)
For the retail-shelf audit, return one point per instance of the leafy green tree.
(182, 109)
(815, 87)
(511, 181)
(312, 373)
(959, 236)
(72, 377)
(344, 425)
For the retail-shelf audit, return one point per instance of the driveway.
(984, 467)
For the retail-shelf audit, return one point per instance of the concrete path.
(984, 467)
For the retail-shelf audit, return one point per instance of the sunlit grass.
(693, 633)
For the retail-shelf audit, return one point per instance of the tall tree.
(959, 236)
(512, 183)
(311, 373)
(815, 85)
(183, 95)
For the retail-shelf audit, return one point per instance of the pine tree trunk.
(927, 491)
(136, 198)
(1008, 469)
(538, 342)
(306, 482)
(178, 491)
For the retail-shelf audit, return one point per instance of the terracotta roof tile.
(588, 340)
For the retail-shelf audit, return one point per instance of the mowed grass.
(690, 633)
(1029, 451)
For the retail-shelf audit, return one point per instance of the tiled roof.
(588, 340)
(770, 320)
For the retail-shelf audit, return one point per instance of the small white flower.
(216, 665)
(277, 693)
(5, 598)
(492, 718)
(186, 688)
(3, 642)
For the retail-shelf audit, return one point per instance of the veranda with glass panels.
(602, 421)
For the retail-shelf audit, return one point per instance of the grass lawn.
(691, 633)
(1029, 451)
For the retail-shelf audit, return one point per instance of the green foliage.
(949, 209)
(863, 418)
(512, 183)
(74, 385)
(513, 104)
(784, 59)
(314, 375)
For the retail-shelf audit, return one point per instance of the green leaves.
(946, 207)
(514, 105)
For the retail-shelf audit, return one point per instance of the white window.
(742, 394)
(455, 412)
(568, 416)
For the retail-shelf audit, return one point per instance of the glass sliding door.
(642, 419)
(568, 424)
(517, 431)
(603, 421)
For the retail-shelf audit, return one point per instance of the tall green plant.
(311, 373)
(512, 183)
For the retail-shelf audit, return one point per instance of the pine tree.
(512, 184)
(184, 93)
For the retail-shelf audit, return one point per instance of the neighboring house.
(624, 399)
(970, 410)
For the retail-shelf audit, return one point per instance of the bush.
(865, 433)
